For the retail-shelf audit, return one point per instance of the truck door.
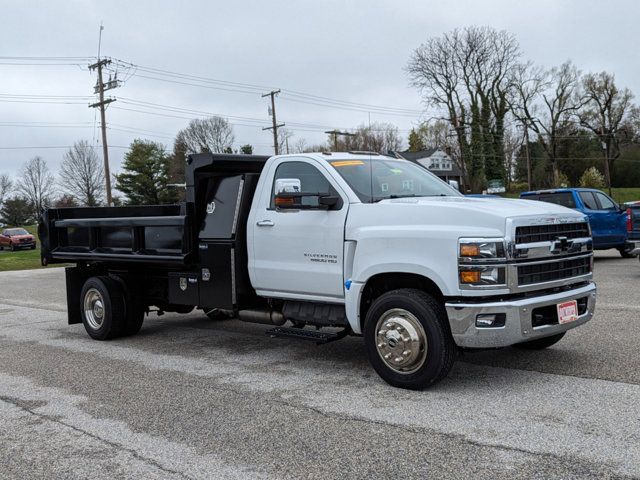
(613, 220)
(597, 218)
(298, 251)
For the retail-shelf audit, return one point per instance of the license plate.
(567, 311)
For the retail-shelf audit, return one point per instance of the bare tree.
(6, 185)
(36, 184)
(528, 82)
(300, 146)
(284, 135)
(546, 103)
(607, 113)
(436, 134)
(466, 74)
(375, 137)
(213, 134)
(81, 174)
(512, 143)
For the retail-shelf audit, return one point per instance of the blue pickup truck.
(609, 221)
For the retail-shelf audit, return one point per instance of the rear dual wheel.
(105, 310)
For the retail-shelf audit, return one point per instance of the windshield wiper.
(407, 195)
(378, 199)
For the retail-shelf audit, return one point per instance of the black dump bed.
(149, 234)
(163, 235)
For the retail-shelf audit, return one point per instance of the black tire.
(134, 309)
(134, 318)
(14, 248)
(440, 353)
(33, 247)
(540, 343)
(624, 253)
(110, 322)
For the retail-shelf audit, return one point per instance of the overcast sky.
(347, 51)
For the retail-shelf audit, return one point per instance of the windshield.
(16, 231)
(380, 178)
(559, 198)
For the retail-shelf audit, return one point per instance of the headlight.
(482, 275)
(477, 249)
(482, 262)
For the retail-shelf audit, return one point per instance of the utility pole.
(100, 88)
(275, 124)
(605, 150)
(337, 133)
(528, 154)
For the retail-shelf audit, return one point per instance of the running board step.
(302, 334)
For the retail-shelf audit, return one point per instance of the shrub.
(592, 178)
(517, 187)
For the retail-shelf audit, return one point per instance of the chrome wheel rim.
(401, 341)
(94, 308)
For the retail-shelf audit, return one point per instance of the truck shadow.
(197, 337)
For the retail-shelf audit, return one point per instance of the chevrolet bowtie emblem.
(560, 244)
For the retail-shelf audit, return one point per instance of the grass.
(22, 259)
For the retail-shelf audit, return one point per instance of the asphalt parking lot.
(193, 398)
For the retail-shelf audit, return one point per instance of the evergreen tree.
(415, 141)
(16, 211)
(146, 174)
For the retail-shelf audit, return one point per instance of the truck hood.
(506, 207)
(465, 215)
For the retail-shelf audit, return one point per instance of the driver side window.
(605, 202)
(310, 178)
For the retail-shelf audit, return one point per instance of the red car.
(15, 238)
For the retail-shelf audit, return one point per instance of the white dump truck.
(324, 245)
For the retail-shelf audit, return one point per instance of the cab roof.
(560, 190)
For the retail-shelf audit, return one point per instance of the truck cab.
(323, 245)
(608, 220)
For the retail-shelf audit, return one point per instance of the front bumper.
(518, 325)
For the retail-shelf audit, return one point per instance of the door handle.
(265, 223)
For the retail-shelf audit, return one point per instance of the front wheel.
(540, 343)
(408, 340)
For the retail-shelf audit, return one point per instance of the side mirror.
(288, 185)
(328, 200)
(293, 201)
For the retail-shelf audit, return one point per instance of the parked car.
(608, 220)
(17, 238)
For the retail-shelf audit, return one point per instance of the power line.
(290, 95)
(52, 147)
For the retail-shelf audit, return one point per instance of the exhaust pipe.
(262, 316)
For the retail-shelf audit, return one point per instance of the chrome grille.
(529, 274)
(546, 233)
